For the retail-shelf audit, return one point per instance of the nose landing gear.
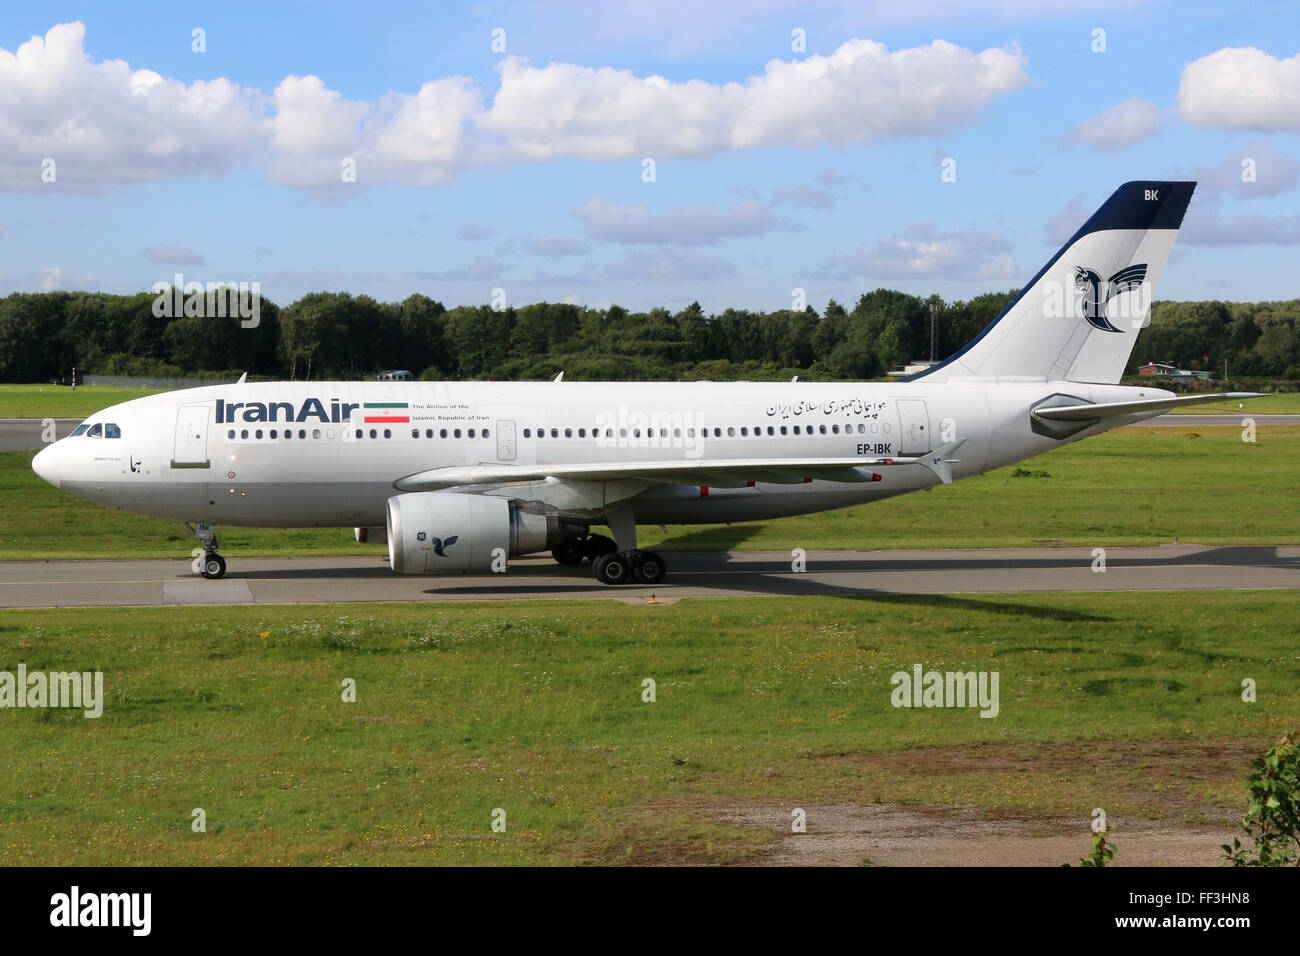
(208, 563)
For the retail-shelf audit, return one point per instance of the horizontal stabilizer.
(1088, 413)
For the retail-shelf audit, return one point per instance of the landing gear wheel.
(598, 544)
(570, 552)
(611, 568)
(214, 566)
(648, 567)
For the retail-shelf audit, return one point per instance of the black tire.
(570, 552)
(649, 567)
(214, 566)
(611, 568)
(598, 544)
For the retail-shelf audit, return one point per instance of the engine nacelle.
(435, 532)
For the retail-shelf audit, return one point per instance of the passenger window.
(275, 433)
(415, 433)
(112, 431)
(80, 429)
(456, 433)
(582, 433)
(315, 433)
(243, 433)
(568, 433)
(428, 433)
(229, 434)
(96, 431)
(388, 433)
(555, 433)
(471, 433)
(485, 433)
(528, 433)
(373, 433)
(360, 433)
(442, 433)
(258, 433)
(835, 429)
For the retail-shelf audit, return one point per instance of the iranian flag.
(385, 412)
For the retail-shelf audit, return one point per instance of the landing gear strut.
(210, 564)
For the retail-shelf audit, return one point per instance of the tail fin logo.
(1097, 292)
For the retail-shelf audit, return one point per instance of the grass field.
(58, 401)
(537, 709)
(1130, 487)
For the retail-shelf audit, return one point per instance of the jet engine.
(438, 532)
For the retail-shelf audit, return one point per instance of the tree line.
(335, 335)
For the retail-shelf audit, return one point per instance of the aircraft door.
(914, 439)
(506, 441)
(191, 447)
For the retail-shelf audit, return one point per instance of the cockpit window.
(96, 431)
(78, 430)
(112, 431)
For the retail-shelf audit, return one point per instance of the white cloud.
(670, 264)
(805, 197)
(689, 225)
(555, 247)
(831, 178)
(1241, 88)
(860, 92)
(920, 251)
(1123, 124)
(1062, 227)
(481, 269)
(1206, 226)
(105, 123)
(174, 255)
(1272, 172)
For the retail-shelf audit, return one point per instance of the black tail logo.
(1097, 292)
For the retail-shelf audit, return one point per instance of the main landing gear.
(209, 564)
(609, 563)
(626, 567)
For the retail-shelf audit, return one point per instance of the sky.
(650, 154)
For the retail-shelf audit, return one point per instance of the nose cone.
(47, 465)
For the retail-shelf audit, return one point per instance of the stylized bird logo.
(439, 544)
(1097, 292)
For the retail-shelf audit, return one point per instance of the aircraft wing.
(719, 473)
(1088, 413)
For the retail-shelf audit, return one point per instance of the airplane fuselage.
(327, 454)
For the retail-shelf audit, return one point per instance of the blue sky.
(775, 168)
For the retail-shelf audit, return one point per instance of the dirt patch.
(893, 835)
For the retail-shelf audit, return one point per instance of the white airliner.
(463, 475)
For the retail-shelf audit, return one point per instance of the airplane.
(462, 476)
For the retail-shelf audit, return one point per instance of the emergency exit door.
(914, 421)
(191, 447)
(505, 441)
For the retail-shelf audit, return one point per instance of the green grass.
(536, 708)
(1130, 487)
(1284, 403)
(60, 401)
